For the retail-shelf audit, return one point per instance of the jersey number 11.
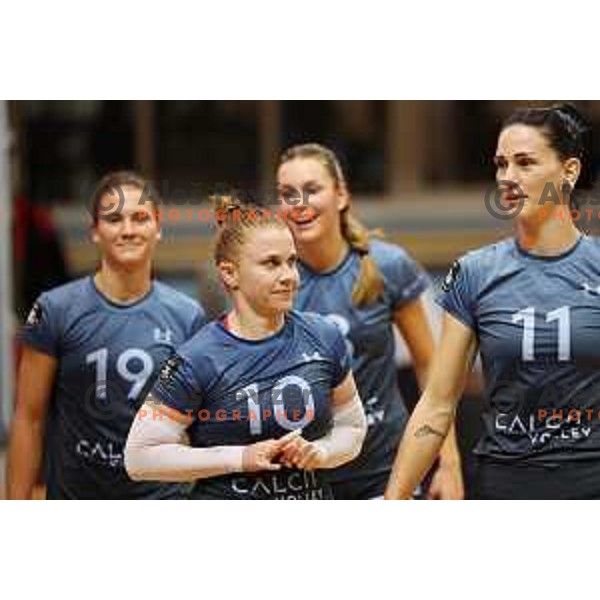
(527, 316)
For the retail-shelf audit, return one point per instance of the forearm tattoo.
(427, 430)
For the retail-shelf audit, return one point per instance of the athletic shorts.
(576, 480)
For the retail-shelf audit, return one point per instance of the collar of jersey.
(118, 305)
(219, 323)
(552, 258)
(341, 265)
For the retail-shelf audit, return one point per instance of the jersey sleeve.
(177, 386)
(199, 320)
(457, 293)
(405, 279)
(333, 344)
(42, 330)
(341, 357)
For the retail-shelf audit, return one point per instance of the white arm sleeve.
(344, 441)
(154, 451)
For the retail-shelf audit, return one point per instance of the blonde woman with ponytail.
(366, 287)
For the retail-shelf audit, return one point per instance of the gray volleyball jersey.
(369, 335)
(239, 392)
(109, 356)
(537, 321)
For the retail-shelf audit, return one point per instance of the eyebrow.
(279, 257)
(309, 182)
(135, 213)
(517, 155)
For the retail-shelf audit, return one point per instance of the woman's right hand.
(260, 456)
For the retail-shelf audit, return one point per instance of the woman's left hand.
(447, 483)
(300, 454)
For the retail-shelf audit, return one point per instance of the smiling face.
(263, 275)
(524, 156)
(127, 238)
(308, 177)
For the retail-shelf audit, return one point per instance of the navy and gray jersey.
(537, 322)
(240, 392)
(369, 335)
(108, 357)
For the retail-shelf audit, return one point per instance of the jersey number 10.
(277, 399)
(527, 316)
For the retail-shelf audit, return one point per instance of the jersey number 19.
(137, 378)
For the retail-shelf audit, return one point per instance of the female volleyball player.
(365, 287)
(266, 394)
(531, 305)
(90, 349)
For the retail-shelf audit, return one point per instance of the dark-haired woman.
(90, 349)
(365, 287)
(530, 305)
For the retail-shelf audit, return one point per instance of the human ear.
(571, 171)
(228, 274)
(94, 234)
(343, 196)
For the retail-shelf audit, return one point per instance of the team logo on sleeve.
(169, 368)
(451, 276)
(590, 289)
(306, 357)
(163, 336)
(35, 315)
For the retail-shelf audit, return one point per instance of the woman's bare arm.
(34, 389)
(434, 414)
(413, 323)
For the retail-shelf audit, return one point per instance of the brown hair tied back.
(235, 220)
(369, 283)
